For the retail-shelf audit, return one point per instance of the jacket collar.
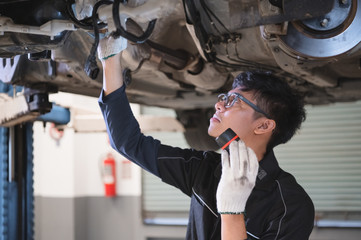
(268, 171)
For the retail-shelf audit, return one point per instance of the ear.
(265, 126)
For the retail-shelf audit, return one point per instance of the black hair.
(274, 96)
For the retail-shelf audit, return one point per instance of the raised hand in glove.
(109, 46)
(239, 172)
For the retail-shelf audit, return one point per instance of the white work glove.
(109, 47)
(239, 173)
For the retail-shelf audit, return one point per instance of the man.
(232, 197)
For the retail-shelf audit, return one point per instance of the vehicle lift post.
(16, 161)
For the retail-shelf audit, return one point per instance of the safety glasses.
(231, 98)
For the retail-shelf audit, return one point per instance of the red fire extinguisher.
(109, 176)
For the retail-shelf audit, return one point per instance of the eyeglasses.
(230, 99)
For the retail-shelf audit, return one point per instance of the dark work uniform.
(278, 207)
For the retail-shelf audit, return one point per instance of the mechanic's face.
(236, 114)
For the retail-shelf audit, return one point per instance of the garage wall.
(68, 163)
(69, 194)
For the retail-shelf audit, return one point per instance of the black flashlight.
(226, 138)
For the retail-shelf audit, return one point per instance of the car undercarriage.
(182, 54)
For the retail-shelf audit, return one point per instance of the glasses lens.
(232, 98)
(222, 97)
(228, 100)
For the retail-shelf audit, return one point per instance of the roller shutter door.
(325, 156)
